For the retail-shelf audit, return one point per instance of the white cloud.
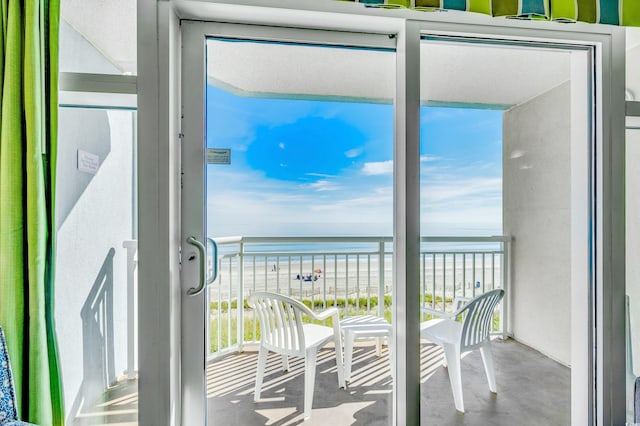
(285, 211)
(319, 175)
(456, 190)
(386, 167)
(352, 153)
(324, 185)
(452, 202)
(439, 114)
(374, 204)
(378, 168)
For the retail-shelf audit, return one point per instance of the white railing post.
(240, 303)
(132, 263)
(381, 267)
(505, 269)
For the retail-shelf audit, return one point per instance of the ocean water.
(354, 247)
(304, 248)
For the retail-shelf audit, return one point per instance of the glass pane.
(299, 201)
(632, 269)
(496, 218)
(98, 37)
(95, 271)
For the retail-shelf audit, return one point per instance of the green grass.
(339, 303)
(316, 304)
(248, 327)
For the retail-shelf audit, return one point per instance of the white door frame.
(194, 35)
(158, 95)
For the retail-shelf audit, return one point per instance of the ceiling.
(109, 25)
(470, 74)
(452, 73)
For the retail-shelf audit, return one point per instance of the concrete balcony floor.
(532, 390)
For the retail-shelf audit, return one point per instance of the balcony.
(532, 390)
(355, 274)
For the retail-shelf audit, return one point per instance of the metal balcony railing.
(354, 274)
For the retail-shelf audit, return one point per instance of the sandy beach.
(354, 276)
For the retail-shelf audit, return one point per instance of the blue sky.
(306, 167)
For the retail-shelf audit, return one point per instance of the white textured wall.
(633, 240)
(536, 200)
(632, 67)
(94, 218)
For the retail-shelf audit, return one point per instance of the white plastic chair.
(282, 332)
(456, 338)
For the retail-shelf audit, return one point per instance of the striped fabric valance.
(613, 12)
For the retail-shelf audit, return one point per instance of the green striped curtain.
(614, 12)
(28, 129)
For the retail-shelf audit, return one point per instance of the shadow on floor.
(532, 391)
(118, 406)
(366, 401)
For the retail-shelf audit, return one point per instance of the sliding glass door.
(386, 176)
(505, 169)
(287, 171)
(632, 292)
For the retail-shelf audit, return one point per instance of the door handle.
(194, 291)
(214, 258)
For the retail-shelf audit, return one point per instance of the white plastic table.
(361, 326)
